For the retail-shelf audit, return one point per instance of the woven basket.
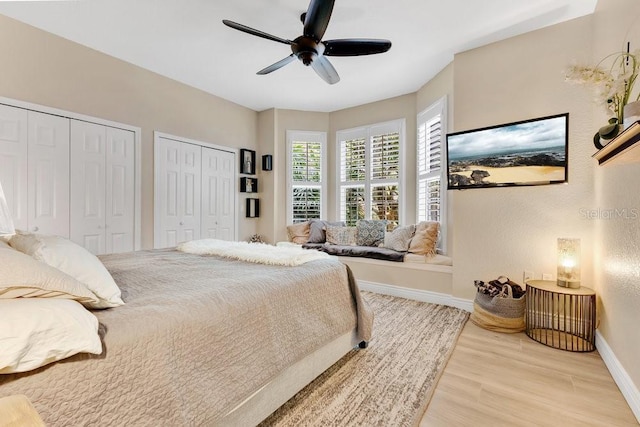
(501, 313)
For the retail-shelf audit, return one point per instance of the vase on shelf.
(631, 113)
(607, 133)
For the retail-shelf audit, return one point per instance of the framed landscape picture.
(529, 152)
(247, 162)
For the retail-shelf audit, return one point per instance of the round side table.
(562, 318)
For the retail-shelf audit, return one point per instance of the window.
(369, 161)
(431, 167)
(306, 165)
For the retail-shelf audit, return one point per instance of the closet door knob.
(36, 228)
(181, 223)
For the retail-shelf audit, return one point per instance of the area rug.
(391, 382)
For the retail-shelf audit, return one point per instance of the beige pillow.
(425, 239)
(37, 331)
(74, 260)
(299, 233)
(23, 277)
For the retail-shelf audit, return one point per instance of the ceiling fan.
(309, 47)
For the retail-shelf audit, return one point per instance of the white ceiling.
(186, 41)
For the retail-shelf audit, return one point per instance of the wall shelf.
(624, 148)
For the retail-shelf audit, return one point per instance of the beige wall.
(273, 133)
(618, 237)
(503, 231)
(44, 69)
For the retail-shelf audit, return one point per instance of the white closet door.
(190, 192)
(120, 197)
(88, 145)
(167, 178)
(218, 201)
(13, 162)
(48, 182)
(177, 192)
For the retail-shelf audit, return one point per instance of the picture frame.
(247, 161)
(525, 153)
(252, 208)
(248, 185)
(267, 162)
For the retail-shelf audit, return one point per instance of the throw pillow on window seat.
(371, 232)
(425, 239)
(299, 233)
(317, 230)
(343, 236)
(400, 238)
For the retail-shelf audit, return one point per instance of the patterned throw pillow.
(317, 227)
(426, 237)
(399, 239)
(344, 236)
(299, 233)
(370, 232)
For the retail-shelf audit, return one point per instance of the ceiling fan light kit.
(309, 47)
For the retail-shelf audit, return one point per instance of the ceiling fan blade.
(317, 18)
(277, 65)
(324, 69)
(254, 32)
(355, 47)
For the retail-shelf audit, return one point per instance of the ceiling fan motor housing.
(307, 49)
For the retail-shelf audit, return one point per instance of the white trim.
(308, 136)
(437, 108)
(417, 295)
(158, 134)
(367, 132)
(137, 131)
(439, 268)
(156, 213)
(620, 376)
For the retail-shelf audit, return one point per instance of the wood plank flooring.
(495, 379)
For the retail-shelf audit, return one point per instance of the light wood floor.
(495, 379)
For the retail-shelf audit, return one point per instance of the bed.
(201, 340)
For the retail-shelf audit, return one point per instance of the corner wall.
(45, 69)
(503, 231)
(618, 235)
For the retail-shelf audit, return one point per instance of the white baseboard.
(625, 384)
(416, 294)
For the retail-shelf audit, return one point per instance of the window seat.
(417, 272)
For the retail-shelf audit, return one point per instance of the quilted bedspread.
(198, 334)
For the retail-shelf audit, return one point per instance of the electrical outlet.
(527, 275)
(547, 276)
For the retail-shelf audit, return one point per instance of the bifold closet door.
(177, 192)
(102, 187)
(14, 163)
(34, 169)
(48, 182)
(218, 194)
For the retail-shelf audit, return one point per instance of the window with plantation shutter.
(370, 162)
(306, 175)
(431, 167)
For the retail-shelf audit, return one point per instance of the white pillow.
(37, 331)
(23, 277)
(73, 260)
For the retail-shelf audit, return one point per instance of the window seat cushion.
(358, 251)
